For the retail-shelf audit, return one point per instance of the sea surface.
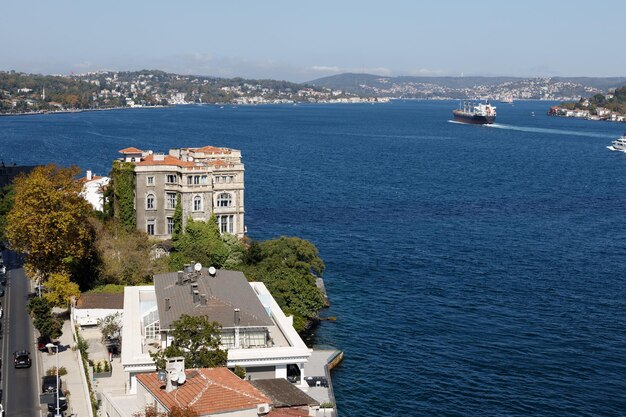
(473, 271)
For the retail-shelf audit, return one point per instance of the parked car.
(42, 341)
(3, 269)
(49, 384)
(52, 406)
(22, 359)
(1, 290)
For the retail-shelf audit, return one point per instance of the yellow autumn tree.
(60, 290)
(49, 221)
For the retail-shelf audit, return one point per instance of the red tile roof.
(167, 160)
(207, 391)
(130, 150)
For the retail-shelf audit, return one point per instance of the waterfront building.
(209, 180)
(256, 332)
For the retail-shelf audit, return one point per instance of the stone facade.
(209, 180)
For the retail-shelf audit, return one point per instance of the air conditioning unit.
(262, 409)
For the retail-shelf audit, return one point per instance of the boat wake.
(547, 130)
(612, 148)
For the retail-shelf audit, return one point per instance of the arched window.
(197, 203)
(150, 202)
(224, 200)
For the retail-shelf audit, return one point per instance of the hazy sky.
(300, 41)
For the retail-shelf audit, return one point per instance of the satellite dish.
(181, 378)
(173, 375)
(212, 271)
(197, 267)
(162, 375)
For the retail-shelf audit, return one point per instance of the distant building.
(209, 180)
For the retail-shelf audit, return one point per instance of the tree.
(48, 221)
(202, 243)
(197, 339)
(124, 254)
(7, 196)
(123, 183)
(110, 327)
(60, 289)
(292, 252)
(41, 311)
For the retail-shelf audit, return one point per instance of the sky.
(302, 41)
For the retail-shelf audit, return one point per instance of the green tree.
(123, 183)
(41, 311)
(292, 252)
(49, 220)
(202, 243)
(197, 339)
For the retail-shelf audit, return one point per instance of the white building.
(93, 190)
(257, 334)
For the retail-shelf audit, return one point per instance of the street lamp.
(50, 346)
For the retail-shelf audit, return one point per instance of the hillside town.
(522, 89)
(25, 93)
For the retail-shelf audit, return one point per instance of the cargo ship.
(475, 112)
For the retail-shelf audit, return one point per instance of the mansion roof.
(207, 391)
(217, 298)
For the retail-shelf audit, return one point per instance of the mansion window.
(171, 200)
(196, 179)
(203, 179)
(170, 225)
(150, 202)
(224, 200)
(197, 203)
(150, 180)
(224, 179)
(150, 226)
(189, 179)
(171, 178)
(225, 223)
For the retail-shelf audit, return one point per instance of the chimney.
(89, 175)
(203, 299)
(194, 287)
(167, 304)
(180, 277)
(196, 296)
(237, 318)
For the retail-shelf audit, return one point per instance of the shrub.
(53, 371)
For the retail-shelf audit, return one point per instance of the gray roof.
(225, 292)
(283, 393)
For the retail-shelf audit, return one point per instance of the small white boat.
(618, 144)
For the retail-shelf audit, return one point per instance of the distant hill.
(551, 88)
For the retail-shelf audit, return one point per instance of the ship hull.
(474, 119)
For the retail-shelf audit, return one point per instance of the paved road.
(20, 386)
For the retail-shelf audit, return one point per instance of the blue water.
(472, 270)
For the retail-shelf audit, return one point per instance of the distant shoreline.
(42, 112)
